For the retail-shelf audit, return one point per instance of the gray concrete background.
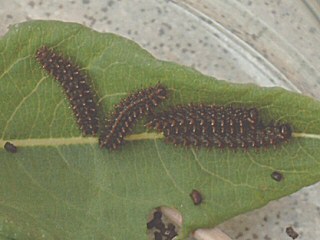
(270, 43)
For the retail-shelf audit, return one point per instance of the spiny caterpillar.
(125, 115)
(217, 126)
(75, 85)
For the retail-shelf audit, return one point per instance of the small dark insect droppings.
(292, 233)
(166, 232)
(277, 176)
(76, 87)
(156, 221)
(125, 115)
(157, 236)
(196, 197)
(209, 126)
(10, 147)
(170, 231)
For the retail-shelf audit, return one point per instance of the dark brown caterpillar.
(125, 115)
(217, 126)
(204, 119)
(75, 86)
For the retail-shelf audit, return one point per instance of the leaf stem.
(46, 142)
(306, 135)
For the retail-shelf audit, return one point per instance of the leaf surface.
(60, 185)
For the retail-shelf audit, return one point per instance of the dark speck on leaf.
(196, 197)
(10, 147)
(277, 176)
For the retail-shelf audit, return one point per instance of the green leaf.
(60, 185)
